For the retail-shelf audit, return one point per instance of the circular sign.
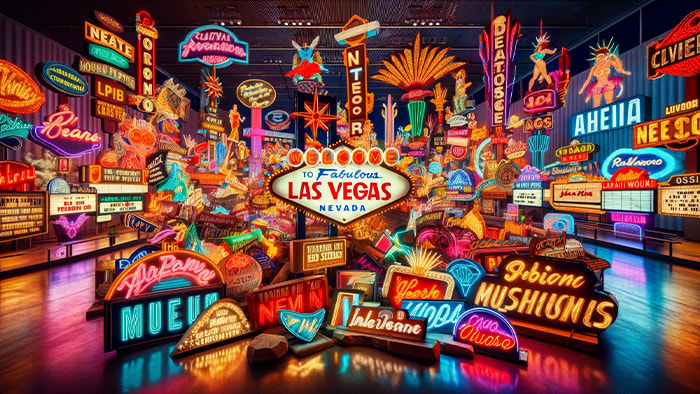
(256, 93)
(435, 167)
(277, 120)
(658, 163)
(243, 274)
(109, 22)
(417, 170)
(506, 174)
(458, 152)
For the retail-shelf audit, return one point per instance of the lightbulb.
(415, 24)
(239, 22)
(437, 23)
(286, 23)
(308, 23)
(422, 23)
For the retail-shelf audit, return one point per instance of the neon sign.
(302, 325)
(630, 178)
(108, 111)
(16, 176)
(18, 91)
(278, 120)
(214, 46)
(256, 93)
(13, 131)
(158, 297)
(315, 254)
(540, 101)
(657, 163)
(386, 321)
(441, 315)
(109, 22)
(63, 79)
(108, 55)
(579, 196)
(559, 222)
(71, 227)
(72, 203)
(576, 151)
(626, 217)
(490, 256)
(681, 108)
(120, 203)
(680, 132)
(677, 54)
(60, 134)
(103, 37)
(489, 332)
(342, 302)
(528, 197)
(137, 222)
(342, 186)
(221, 322)
(613, 116)
(537, 123)
(551, 292)
(121, 264)
(146, 51)
(359, 280)
(401, 283)
(88, 67)
(680, 196)
(303, 295)
(109, 91)
(497, 51)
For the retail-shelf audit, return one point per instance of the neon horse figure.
(307, 64)
(605, 57)
(539, 72)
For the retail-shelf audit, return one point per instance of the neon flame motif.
(413, 71)
(59, 134)
(467, 273)
(71, 228)
(302, 325)
(605, 57)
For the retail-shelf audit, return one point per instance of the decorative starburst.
(213, 87)
(314, 116)
(422, 260)
(418, 68)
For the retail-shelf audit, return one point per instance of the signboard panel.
(63, 204)
(680, 196)
(527, 197)
(109, 204)
(628, 200)
(22, 214)
(318, 253)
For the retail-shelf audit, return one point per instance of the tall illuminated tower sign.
(360, 102)
(146, 51)
(497, 51)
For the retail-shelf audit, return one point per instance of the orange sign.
(18, 91)
(103, 37)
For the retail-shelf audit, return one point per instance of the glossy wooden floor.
(46, 345)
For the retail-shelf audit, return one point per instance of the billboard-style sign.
(213, 46)
(18, 91)
(677, 54)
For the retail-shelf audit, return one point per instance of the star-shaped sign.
(213, 86)
(314, 116)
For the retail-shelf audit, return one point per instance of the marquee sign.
(623, 113)
(386, 321)
(103, 37)
(63, 79)
(16, 176)
(657, 163)
(159, 296)
(497, 51)
(551, 292)
(95, 173)
(304, 295)
(577, 196)
(340, 185)
(489, 332)
(214, 46)
(121, 203)
(678, 53)
(89, 67)
(18, 91)
(59, 133)
(256, 93)
(680, 132)
(576, 151)
(528, 197)
(680, 196)
(222, 322)
(22, 215)
(317, 253)
(62, 204)
(630, 178)
(146, 51)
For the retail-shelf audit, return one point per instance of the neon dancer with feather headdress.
(605, 57)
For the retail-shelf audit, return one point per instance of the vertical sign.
(146, 64)
(354, 33)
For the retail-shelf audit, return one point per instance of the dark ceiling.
(461, 23)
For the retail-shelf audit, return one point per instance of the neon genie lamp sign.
(60, 134)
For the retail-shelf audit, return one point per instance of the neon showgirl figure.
(539, 72)
(605, 57)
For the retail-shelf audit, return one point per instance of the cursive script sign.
(213, 45)
(60, 134)
(386, 321)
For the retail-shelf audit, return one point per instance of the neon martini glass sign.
(60, 134)
(214, 46)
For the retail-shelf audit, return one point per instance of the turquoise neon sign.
(656, 161)
(108, 55)
(441, 314)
